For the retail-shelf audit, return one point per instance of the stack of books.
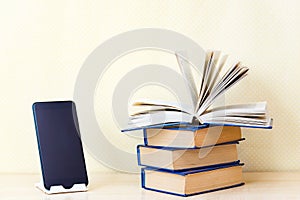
(192, 149)
(185, 160)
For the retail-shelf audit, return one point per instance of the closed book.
(191, 182)
(178, 158)
(186, 137)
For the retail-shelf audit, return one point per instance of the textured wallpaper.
(43, 46)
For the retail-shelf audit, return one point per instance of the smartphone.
(59, 143)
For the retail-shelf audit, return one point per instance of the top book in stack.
(212, 86)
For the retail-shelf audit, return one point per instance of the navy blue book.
(193, 181)
(191, 136)
(192, 126)
(180, 158)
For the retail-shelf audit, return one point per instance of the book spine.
(183, 172)
(138, 153)
(143, 177)
(143, 184)
(145, 136)
(190, 148)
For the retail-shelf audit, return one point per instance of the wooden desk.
(118, 186)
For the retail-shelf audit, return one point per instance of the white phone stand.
(56, 189)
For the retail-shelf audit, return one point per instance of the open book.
(213, 85)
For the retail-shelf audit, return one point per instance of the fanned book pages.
(211, 86)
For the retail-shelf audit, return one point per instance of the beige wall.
(43, 45)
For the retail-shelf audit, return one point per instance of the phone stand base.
(60, 189)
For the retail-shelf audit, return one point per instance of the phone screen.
(60, 147)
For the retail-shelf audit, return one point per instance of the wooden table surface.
(268, 185)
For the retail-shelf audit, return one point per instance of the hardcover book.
(179, 158)
(189, 137)
(192, 182)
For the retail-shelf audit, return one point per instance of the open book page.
(208, 76)
(152, 118)
(208, 60)
(151, 112)
(186, 72)
(237, 119)
(213, 70)
(234, 75)
(241, 122)
(139, 110)
(160, 110)
(160, 104)
(250, 108)
(247, 114)
(219, 66)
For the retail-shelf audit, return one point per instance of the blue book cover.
(192, 127)
(196, 163)
(191, 142)
(186, 172)
(194, 147)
